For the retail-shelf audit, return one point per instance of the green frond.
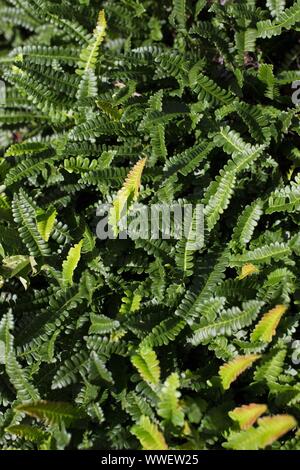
(266, 75)
(45, 222)
(227, 323)
(163, 333)
(149, 435)
(168, 405)
(100, 324)
(178, 13)
(266, 328)
(276, 7)
(127, 194)
(20, 379)
(70, 263)
(68, 371)
(207, 90)
(285, 20)
(25, 218)
(230, 371)
(89, 55)
(29, 433)
(261, 255)
(247, 415)
(220, 191)
(271, 367)
(269, 429)
(285, 199)
(147, 365)
(247, 222)
(51, 412)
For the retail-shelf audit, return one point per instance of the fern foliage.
(156, 342)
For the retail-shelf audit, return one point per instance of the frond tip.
(247, 415)
(149, 435)
(229, 372)
(127, 194)
(269, 429)
(51, 412)
(266, 328)
(147, 365)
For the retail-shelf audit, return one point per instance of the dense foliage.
(115, 344)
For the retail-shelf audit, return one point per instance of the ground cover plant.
(141, 343)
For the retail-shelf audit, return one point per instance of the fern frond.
(228, 322)
(51, 412)
(285, 199)
(70, 263)
(285, 20)
(269, 430)
(271, 367)
(147, 365)
(29, 433)
(149, 435)
(247, 222)
(45, 222)
(247, 270)
(25, 218)
(208, 91)
(20, 380)
(247, 415)
(230, 371)
(266, 328)
(276, 7)
(102, 324)
(168, 406)
(127, 194)
(262, 255)
(89, 55)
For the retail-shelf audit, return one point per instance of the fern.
(29, 433)
(261, 255)
(115, 339)
(247, 415)
(247, 222)
(149, 435)
(276, 6)
(70, 264)
(271, 367)
(284, 20)
(230, 371)
(209, 91)
(102, 324)
(266, 328)
(147, 364)
(45, 222)
(220, 191)
(50, 412)
(285, 199)
(25, 218)
(265, 74)
(168, 407)
(88, 56)
(228, 322)
(126, 195)
(269, 429)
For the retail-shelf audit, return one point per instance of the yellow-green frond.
(266, 327)
(149, 435)
(230, 371)
(247, 415)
